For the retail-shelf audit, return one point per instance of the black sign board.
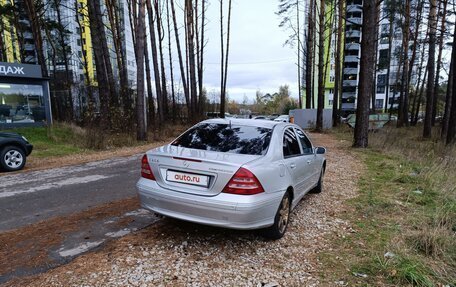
(20, 70)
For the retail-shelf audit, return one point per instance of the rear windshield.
(226, 138)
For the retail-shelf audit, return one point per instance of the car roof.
(245, 122)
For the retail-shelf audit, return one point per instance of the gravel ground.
(176, 253)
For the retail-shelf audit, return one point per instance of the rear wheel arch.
(12, 144)
(290, 191)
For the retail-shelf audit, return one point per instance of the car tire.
(281, 219)
(12, 158)
(319, 187)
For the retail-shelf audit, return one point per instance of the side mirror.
(320, 150)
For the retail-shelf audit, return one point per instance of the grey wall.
(306, 118)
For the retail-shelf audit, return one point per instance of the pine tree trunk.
(427, 129)
(164, 93)
(337, 85)
(150, 96)
(321, 68)
(191, 58)
(449, 95)
(201, 58)
(141, 125)
(402, 118)
(181, 63)
(367, 63)
(227, 50)
(171, 62)
(103, 85)
(388, 68)
(310, 54)
(69, 113)
(155, 64)
(451, 130)
(33, 15)
(439, 61)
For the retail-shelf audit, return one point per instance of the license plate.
(187, 178)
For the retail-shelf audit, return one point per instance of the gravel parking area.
(176, 253)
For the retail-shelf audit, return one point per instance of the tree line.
(416, 70)
(108, 96)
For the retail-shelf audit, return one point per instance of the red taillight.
(243, 182)
(146, 171)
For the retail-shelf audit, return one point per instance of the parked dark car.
(14, 149)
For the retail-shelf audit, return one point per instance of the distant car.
(211, 115)
(260, 118)
(239, 174)
(273, 117)
(283, 118)
(14, 150)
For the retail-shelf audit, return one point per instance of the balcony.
(29, 47)
(350, 83)
(348, 95)
(353, 34)
(354, 8)
(350, 71)
(28, 35)
(348, 106)
(352, 46)
(30, 59)
(356, 21)
(351, 59)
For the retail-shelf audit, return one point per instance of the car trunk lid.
(195, 171)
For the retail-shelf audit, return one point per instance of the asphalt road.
(29, 197)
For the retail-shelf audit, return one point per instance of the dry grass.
(67, 144)
(406, 206)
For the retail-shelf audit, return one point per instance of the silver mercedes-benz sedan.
(234, 173)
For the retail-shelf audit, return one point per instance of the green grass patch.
(58, 140)
(406, 209)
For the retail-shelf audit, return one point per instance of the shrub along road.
(176, 253)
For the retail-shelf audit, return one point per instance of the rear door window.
(226, 138)
(305, 142)
(290, 144)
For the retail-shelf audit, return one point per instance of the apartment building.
(73, 17)
(387, 83)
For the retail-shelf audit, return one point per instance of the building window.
(331, 91)
(383, 59)
(332, 79)
(20, 103)
(381, 80)
(380, 89)
(330, 102)
(78, 42)
(379, 104)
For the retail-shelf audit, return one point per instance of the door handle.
(292, 165)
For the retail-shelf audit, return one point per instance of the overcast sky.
(257, 59)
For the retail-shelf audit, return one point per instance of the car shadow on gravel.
(184, 230)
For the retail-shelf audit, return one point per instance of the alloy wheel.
(13, 159)
(284, 214)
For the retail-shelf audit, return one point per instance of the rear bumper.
(223, 210)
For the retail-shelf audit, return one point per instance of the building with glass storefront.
(24, 96)
(18, 47)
